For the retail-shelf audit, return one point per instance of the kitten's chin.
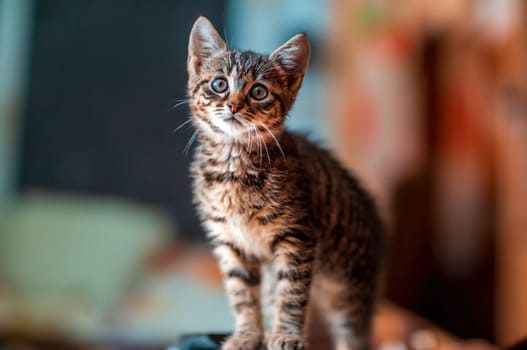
(231, 129)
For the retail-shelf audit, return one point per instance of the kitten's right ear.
(204, 42)
(293, 56)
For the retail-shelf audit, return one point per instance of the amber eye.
(219, 85)
(258, 92)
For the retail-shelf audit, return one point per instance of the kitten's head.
(234, 93)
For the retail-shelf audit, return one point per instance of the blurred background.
(100, 247)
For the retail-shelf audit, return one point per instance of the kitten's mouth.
(233, 119)
(231, 124)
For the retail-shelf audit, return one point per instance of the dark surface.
(104, 75)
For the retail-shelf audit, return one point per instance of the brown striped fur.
(277, 208)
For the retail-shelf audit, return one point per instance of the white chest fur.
(239, 226)
(233, 202)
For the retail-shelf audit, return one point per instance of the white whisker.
(183, 124)
(190, 142)
(250, 128)
(274, 138)
(180, 102)
(259, 143)
(265, 146)
(250, 141)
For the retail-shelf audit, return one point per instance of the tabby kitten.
(276, 207)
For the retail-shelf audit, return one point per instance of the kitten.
(276, 207)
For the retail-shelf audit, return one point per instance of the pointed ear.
(204, 42)
(293, 56)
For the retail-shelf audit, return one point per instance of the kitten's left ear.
(204, 42)
(293, 56)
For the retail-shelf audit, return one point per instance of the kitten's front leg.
(293, 265)
(242, 284)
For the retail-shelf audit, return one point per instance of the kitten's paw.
(285, 342)
(242, 342)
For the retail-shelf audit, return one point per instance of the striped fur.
(277, 208)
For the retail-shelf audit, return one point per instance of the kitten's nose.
(234, 105)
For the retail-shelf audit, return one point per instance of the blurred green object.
(371, 15)
(68, 260)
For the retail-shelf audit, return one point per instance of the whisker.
(259, 143)
(183, 124)
(180, 102)
(265, 146)
(250, 141)
(190, 142)
(274, 138)
(249, 127)
(267, 152)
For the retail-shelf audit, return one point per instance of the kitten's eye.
(219, 85)
(258, 92)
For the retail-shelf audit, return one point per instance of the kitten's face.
(242, 95)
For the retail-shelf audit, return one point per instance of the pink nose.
(234, 106)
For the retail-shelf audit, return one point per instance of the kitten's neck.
(239, 157)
